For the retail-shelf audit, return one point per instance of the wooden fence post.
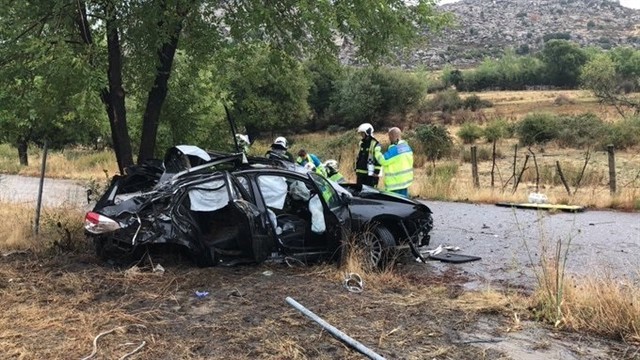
(612, 168)
(474, 166)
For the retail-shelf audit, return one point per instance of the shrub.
(580, 130)
(474, 102)
(537, 128)
(563, 99)
(435, 141)
(497, 129)
(469, 133)
(623, 134)
(446, 101)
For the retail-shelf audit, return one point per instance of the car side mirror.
(346, 198)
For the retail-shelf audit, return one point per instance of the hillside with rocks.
(486, 28)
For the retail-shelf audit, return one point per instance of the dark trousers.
(364, 179)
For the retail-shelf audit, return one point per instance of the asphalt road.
(602, 243)
(508, 240)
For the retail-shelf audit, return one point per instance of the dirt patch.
(54, 307)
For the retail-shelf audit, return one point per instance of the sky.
(634, 4)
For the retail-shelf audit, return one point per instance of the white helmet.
(331, 164)
(366, 128)
(280, 140)
(310, 167)
(242, 139)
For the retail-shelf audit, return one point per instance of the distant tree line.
(561, 63)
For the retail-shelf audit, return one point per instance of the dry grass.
(595, 304)
(78, 164)
(59, 227)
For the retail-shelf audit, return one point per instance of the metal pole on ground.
(335, 332)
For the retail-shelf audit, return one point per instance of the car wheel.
(378, 244)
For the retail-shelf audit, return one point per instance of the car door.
(228, 221)
(337, 214)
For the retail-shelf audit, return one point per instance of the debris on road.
(559, 207)
(353, 282)
(202, 294)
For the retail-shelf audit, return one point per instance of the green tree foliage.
(46, 94)
(267, 89)
(510, 72)
(473, 102)
(323, 75)
(133, 44)
(445, 101)
(563, 61)
(434, 140)
(579, 131)
(600, 76)
(373, 95)
(469, 133)
(538, 128)
(496, 130)
(356, 98)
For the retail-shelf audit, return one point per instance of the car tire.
(378, 244)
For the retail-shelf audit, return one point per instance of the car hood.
(366, 195)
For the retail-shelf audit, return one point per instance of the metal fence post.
(36, 227)
(612, 168)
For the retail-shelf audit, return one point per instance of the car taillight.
(99, 224)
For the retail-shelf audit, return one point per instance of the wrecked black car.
(226, 208)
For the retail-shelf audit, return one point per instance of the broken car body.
(223, 207)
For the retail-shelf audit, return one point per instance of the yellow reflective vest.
(397, 163)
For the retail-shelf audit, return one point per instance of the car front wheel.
(378, 244)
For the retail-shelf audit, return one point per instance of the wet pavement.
(511, 240)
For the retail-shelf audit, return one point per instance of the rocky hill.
(486, 28)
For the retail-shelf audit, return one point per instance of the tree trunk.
(22, 152)
(113, 96)
(158, 93)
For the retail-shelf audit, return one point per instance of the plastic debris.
(202, 294)
(267, 273)
(353, 282)
(158, 269)
(538, 198)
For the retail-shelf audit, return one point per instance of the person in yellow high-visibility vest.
(397, 164)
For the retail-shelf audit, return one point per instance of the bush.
(435, 141)
(469, 133)
(563, 99)
(580, 130)
(497, 129)
(623, 134)
(483, 153)
(474, 102)
(537, 128)
(446, 101)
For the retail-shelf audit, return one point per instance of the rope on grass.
(134, 350)
(95, 342)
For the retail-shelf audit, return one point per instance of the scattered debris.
(353, 282)
(14, 252)
(202, 294)
(267, 273)
(538, 198)
(158, 269)
(335, 332)
(559, 207)
(439, 254)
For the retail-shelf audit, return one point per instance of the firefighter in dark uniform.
(367, 167)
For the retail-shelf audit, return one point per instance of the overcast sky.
(635, 4)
